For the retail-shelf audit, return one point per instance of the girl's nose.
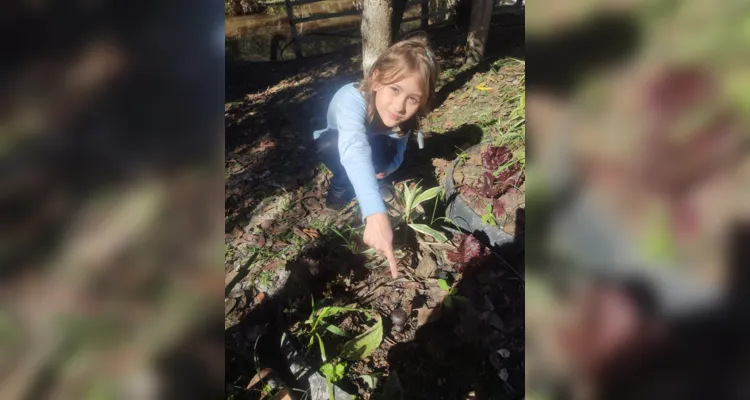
(401, 105)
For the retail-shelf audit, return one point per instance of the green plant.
(448, 299)
(462, 155)
(354, 349)
(334, 372)
(350, 239)
(410, 200)
(489, 217)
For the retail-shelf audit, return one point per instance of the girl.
(369, 124)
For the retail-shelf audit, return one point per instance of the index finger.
(392, 262)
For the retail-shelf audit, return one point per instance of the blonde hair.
(408, 55)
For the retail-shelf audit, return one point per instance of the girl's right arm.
(356, 156)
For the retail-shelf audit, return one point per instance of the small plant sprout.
(448, 299)
(356, 348)
(489, 217)
(334, 372)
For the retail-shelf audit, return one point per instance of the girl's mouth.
(394, 116)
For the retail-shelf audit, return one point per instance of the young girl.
(369, 124)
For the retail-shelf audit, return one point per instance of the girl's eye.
(395, 89)
(413, 100)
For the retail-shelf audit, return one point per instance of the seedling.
(489, 217)
(356, 348)
(410, 200)
(448, 299)
(334, 372)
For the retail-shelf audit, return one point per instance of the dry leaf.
(259, 377)
(482, 87)
(278, 230)
(312, 233)
(300, 233)
(273, 265)
(260, 298)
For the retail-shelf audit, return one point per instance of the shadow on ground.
(465, 349)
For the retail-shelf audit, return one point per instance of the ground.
(283, 248)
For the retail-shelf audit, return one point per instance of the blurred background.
(111, 256)
(638, 199)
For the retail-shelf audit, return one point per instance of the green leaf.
(371, 379)
(363, 344)
(329, 311)
(488, 207)
(428, 194)
(453, 291)
(327, 370)
(322, 348)
(336, 331)
(460, 298)
(421, 228)
(448, 301)
(443, 285)
(338, 372)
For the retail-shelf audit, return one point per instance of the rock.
(398, 318)
(427, 267)
(504, 353)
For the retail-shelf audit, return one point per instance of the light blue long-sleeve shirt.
(347, 114)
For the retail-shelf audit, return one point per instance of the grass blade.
(429, 231)
(322, 348)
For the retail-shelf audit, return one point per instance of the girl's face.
(399, 101)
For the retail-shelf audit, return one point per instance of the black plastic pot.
(459, 211)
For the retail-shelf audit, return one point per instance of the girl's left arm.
(399, 157)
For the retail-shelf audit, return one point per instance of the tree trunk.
(479, 26)
(376, 31)
(399, 6)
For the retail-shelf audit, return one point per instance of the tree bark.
(376, 31)
(479, 26)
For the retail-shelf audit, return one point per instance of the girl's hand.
(379, 236)
(380, 175)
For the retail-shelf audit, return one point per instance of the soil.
(465, 177)
(284, 249)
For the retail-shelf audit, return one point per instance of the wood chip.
(266, 224)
